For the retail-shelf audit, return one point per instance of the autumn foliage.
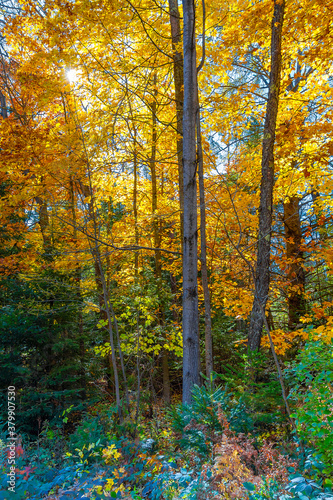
(92, 233)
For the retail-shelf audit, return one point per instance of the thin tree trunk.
(295, 271)
(157, 244)
(203, 238)
(203, 256)
(108, 235)
(152, 165)
(166, 378)
(135, 206)
(178, 76)
(177, 56)
(78, 285)
(262, 276)
(44, 224)
(190, 257)
(135, 187)
(3, 106)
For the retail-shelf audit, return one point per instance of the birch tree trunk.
(190, 258)
(262, 276)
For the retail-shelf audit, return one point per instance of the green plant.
(306, 489)
(85, 456)
(90, 430)
(198, 422)
(254, 384)
(311, 378)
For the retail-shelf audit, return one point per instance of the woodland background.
(93, 245)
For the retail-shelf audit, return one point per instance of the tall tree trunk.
(262, 276)
(203, 238)
(77, 274)
(178, 77)
(178, 69)
(152, 165)
(135, 206)
(295, 272)
(190, 257)
(157, 244)
(203, 255)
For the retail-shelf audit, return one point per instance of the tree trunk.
(166, 378)
(190, 257)
(178, 68)
(203, 255)
(157, 244)
(295, 272)
(262, 276)
(177, 56)
(44, 227)
(203, 239)
(78, 293)
(3, 106)
(152, 165)
(135, 206)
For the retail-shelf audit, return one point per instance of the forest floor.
(225, 445)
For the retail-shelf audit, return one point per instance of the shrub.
(311, 378)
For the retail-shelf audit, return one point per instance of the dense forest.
(166, 249)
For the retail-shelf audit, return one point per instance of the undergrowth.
(212, 449)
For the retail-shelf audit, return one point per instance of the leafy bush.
(306, 489)
(311, 378)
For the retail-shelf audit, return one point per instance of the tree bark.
(190, 258)
(295, 271)
(262, 276)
